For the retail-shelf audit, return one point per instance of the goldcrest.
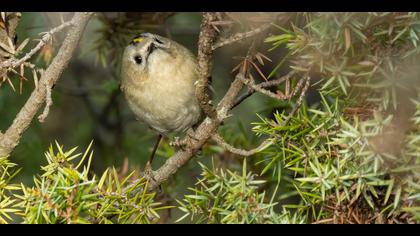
(158, 81)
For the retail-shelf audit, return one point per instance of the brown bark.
(10, 139)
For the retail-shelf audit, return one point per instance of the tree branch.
(265, 84)
(206, 39)
(10, 139)
(7, 34)
(250, 83)
(300, 100)
(240, 36)
(13, 63)
(219, 140)
(8, 29)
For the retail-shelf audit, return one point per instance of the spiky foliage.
(7, 200)
(66, 192)
(228, 197)
(354, 158)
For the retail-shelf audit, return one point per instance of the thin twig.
(220, 141)
(13, 63)
(7, 34)
(297, 87)
(10, 139)
(299, 101)
(265, 84)
(240, 36)
(48, 104)
(258, 88)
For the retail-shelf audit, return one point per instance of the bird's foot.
(183, 143)
(177, 142)
(191, 134)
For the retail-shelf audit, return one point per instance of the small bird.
(158, 78)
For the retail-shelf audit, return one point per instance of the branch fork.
(10, 139)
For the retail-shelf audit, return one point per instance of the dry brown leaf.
(347, 37)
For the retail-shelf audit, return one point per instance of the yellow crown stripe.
(138, 40)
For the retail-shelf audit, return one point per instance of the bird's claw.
(182, 143)
(176, 143)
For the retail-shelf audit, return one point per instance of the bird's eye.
(138, 59)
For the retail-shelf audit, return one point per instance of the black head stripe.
(158, 41)
(151, 48)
